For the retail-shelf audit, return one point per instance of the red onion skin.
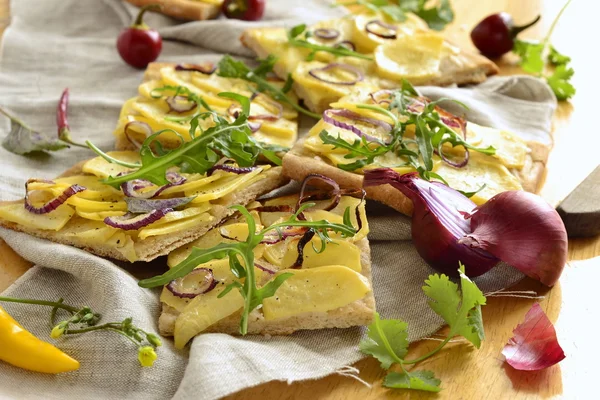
(438, 247)
(523, 230)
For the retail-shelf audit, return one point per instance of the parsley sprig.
(241, 258)
(535, 55)
(431, 132)
(436, 16)
(387, 340)
(230, 68)
(225, 139)
(297, 37)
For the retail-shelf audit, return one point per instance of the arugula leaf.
(559, 82)
(436, 16)
(461, 309)
(556, 58)
(387, 341)
(418, 380)
(23, 140)
(230, 68)
(295, 40)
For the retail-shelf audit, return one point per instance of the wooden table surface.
(467, 373)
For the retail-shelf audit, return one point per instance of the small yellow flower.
(147, 356)
(57, 331)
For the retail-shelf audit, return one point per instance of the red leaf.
(534, 345)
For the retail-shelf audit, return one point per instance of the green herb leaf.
(418, 380)
(230, 68)
(559, 82)
(461, 309)
(23, 140)
(387, 341)
(556, 58)
(269, 289)
(295, 39)
(531, 55)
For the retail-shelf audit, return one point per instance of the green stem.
(110, 159)
(53, 313)
(423, 357)
(139, 20)
(55, 304)
(279, 94)
(250, 284)
(312, 224)
(14, 119)
(546, 40)
(333, 50)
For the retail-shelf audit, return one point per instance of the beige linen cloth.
(53, 44)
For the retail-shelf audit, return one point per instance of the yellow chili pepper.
(22, 349)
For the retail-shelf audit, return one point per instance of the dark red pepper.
(247, 10)
(139, 44)
(64, 131)
(495, 34)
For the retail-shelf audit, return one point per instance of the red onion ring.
(267, 117)
(263, 268)
(52, 204)
(147, 131)
(207, 68)
(375, 95)
(137, 205)
(356, 117)
(327, 33)
(335, 191)
(301, 243)
(279, 208)
(175, 104)
(131, 221)
(205, 285)
(273, 237)
(389, 27)
(230, 168)
(359, 75)
(131, 188)
(254, 126)
(346, 44)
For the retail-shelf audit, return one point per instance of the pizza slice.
(398, 129)
(332, 58)
(171, 95)
(188, 10)
(322, 287)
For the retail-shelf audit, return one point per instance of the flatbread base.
(357, 313)
(153, 246)
(188, 10)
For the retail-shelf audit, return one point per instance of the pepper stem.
(139, 20)
(518, 29)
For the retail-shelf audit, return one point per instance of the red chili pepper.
(64, 131)
(61, 115)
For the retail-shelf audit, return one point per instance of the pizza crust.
(357, 313)
(153, 246)
(188, 10)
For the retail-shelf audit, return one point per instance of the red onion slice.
(273, 237)
(346, 44)
(180, 104)
(335, 192)
(131, 221)
(280, 208)
(230, 168)
(327, 117)
(327, 33)
(375, 96)
(144, 127)
(390, 29)
(349, 68)
(206, 68)
(267, 117)
(199, 281)
(136, 205)
(263, 268)
(132, 188)
(52, 204)
(301, 244)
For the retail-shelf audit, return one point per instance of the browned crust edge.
(188, 10)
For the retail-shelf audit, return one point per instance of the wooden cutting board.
(477, 374)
